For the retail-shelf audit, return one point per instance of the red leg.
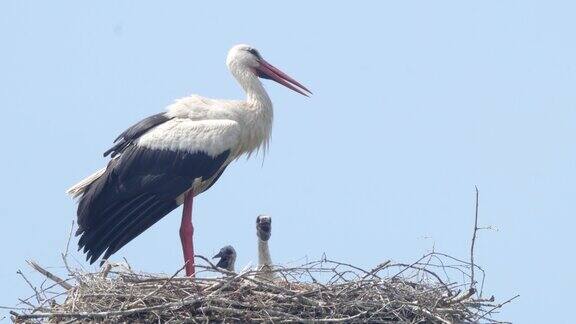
(186, 234)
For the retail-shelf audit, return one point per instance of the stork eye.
(254, 52)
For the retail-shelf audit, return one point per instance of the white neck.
(256, 95)
(259, 114)
(263, 253)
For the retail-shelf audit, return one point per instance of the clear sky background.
(415, 102)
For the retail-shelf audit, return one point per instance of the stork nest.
(320, 291)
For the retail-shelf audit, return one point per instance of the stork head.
(246, 60)
(264, 227)
(227, 257)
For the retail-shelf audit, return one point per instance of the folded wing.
(152, 167)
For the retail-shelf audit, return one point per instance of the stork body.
(169, 158)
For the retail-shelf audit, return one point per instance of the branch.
(488, 312)
(49, 275)
(36, 294)
(474, 233)
(65, 254)
(132, 311)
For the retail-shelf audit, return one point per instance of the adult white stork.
(166, 159)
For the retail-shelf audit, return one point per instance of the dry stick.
(49, 275)
(26, 303)
(49, 301)
(462, 298)
(413, 266)
(342, 319)
(157, 289)
(466, 262)
(65, 254)
(36, 294)
(127, 312)
(212, 265)
(488, 312)
(15, 308)
(459, 260)
(409, 267)
(28, 298)
(377, 269)
(434, 316)
(302, 299)
(472, 282)
(349, 265)
(229, 282)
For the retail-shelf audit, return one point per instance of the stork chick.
(227, 257)
(264, 231)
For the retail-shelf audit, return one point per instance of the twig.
(488, 312)
(25, 302)
(341, 319)
(14, 308)
(65, 254)
(49, 275)
(474, 233)
(427, 271)
(36, 294)
(377, 269)
(459, 299)
(112, 313)
(158, 289)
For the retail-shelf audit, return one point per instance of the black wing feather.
(128, 136)
(137, 189)
(143, 224)
(98, 240)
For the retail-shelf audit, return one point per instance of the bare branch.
(65, 254)
(474, 233)
(49, 275)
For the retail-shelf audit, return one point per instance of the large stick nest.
(322, 291)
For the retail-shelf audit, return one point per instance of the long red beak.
(268, 71)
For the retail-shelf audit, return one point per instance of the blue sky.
(415, 102)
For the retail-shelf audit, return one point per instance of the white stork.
(264, 231)
(166, 159)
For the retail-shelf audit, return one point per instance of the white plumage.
(213, 136)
